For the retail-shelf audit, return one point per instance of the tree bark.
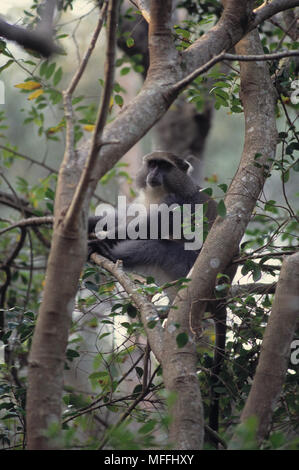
(275, 351)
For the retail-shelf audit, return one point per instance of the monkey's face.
(158, 172)
(163, 171)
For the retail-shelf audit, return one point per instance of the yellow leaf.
(53, 130)
(28, 85)
(35, 94)
(111, 103)
(89, 127)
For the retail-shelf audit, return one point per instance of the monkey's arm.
(168, 255)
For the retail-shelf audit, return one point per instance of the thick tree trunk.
(275, 351)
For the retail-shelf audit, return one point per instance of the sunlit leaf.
(35, 94)
(30, 85)
(89, 127)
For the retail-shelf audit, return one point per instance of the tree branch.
(6, 268)
(231, 57)
(267, 10)
(239, 290)
(31, 160)
(147, 310)
(27, 222)
(39, 40)
(143, 6)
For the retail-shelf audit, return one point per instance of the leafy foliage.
(108, 369)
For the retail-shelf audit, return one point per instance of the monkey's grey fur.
(162, 178)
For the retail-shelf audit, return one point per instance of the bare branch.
(31, 160)
(275, 254)
(88, 170)
(6, 267)
(71, 88)
(239, 290)
(29, 222)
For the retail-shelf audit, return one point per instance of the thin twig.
(279, 254)
(130, 409)
(79, 195)
(70, 90)
(145, 368)
(29, 221)
(146, 308)
(34, 162)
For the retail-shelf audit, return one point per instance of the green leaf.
(130, 42)
(223, 187)
(132, 311)
(138, 68)
(71, 353)
(270, 206)
(125, 71)
(119, 100)
(286, 176)
(139, 371)
(57, 76)
(43, 68)
(222, 85)
(50, 70)
(257, 273)
(50, 194)
(91, 286)
(221, 209)
(208, 191)
(182, 339)
(182, 32)
(5, 66)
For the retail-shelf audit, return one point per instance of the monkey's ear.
(190, 169)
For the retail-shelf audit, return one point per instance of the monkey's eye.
(152, 164)
(161, 164)
(164, 165)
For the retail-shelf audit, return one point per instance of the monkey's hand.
(102, 247)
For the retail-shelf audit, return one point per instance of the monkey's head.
(165, 171)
